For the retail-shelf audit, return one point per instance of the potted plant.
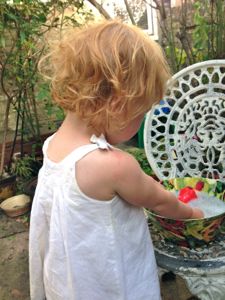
(26, 170)
(19, 30)
(7, 180)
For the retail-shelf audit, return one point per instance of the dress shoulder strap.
(78, 153)
(96, 143)
(46, 143)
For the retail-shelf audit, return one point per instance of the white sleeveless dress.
(85, 249)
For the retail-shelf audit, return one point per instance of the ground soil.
(14, 283)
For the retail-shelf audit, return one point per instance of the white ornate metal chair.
(184, 136)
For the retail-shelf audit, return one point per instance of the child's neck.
(73, 126)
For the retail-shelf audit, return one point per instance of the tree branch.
(100, 9)
(129, 12)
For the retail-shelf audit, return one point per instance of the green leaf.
(22, 36)
(2, 41)
(42, 18)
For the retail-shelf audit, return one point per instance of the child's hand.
(197, 213)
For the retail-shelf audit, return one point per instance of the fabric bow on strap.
(101, 142)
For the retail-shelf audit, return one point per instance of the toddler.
(89, 238)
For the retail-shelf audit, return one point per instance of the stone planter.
(16, 206)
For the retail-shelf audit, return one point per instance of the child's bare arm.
(134, 186)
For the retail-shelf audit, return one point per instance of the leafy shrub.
(140, 156)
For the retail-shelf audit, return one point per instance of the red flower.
(187, 194)
(199, 186)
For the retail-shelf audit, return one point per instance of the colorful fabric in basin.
(191, 233)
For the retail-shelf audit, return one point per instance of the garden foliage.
(25, 28)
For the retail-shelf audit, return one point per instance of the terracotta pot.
(7, 187)
(30, 187)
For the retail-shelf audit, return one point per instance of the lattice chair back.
(184, 135)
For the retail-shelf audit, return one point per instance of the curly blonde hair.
(108, 74)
